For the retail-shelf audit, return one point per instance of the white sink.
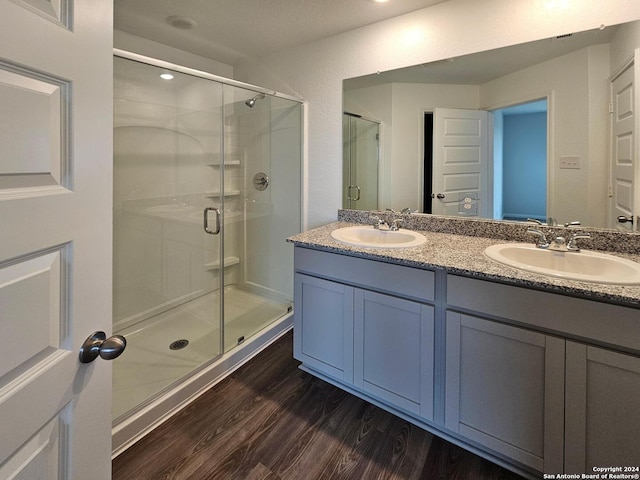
(367, 236)
(584, 266)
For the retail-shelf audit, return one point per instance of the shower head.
(250, 103)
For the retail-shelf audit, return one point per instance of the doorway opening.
(520, 161)
(517, 135)
(427, 180)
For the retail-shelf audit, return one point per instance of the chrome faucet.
(404, 211)
(554, 238)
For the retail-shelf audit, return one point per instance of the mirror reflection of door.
(623, 123)
(360, 165)
(460, 163)
(487, 164)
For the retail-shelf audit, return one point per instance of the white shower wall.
(162, 137)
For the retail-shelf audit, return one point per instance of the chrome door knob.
(98, 345)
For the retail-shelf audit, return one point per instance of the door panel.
(394, 335)
(323, 326)
(503, 385)
(55, 254)
(32, 291)
(623, 141)
(602, 419)
(460, 163)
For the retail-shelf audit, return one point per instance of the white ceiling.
(232, 30)
(479, 68)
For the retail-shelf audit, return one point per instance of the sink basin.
(367, 236)
(584, 266)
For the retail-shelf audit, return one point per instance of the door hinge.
(377, 136)
(611, 108)
(610, 191)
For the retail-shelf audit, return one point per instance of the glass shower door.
(168, 171)
(263, 207)
(360, 163)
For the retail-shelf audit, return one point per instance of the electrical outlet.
(570, 162)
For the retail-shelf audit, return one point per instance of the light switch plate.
(570, 161)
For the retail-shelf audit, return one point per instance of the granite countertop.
(463, 254)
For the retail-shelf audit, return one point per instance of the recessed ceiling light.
(166, 76)
(181, 23)
(380, 1)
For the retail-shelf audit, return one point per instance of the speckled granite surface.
(463, 254)
(601, 239)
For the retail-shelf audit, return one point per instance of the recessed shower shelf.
(227, 163)
(228, 193)
(228, 262)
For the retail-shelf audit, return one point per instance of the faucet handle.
(395, 224)
(375, 221)
(571, 244)
(572, 224)
(542, 241)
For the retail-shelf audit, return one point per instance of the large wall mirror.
(540, 130)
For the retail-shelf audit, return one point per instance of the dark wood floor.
(271, 421)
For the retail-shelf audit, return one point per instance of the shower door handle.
(349, 197)
(206, 220)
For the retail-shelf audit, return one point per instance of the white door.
(460, 163)
(623, 149)
(55, 243)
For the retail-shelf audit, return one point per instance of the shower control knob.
(98, 345)
(260, 181)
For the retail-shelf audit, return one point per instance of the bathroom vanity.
(538, 374)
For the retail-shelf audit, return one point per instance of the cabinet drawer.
(598, 322)
(384, 277)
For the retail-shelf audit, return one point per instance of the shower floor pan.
(163, 349)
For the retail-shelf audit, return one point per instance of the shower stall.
(207, 186)
(360, 162)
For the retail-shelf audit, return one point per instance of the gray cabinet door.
(323, 326)
(505, 390)
(602, 409)
(393, 351)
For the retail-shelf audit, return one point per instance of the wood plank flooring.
(271, 421)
